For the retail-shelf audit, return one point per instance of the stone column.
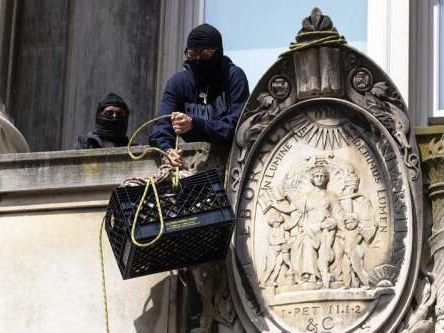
(11, 140)
(3, 42)
(432, 149)
(8, 15)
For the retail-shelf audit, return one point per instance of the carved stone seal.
(279, 87)
(329, 237)
(362, 80)
(328, 217)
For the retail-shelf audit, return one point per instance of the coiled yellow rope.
(149, 181)
(330, 38)
(175, 176)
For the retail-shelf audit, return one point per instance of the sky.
(255, 32)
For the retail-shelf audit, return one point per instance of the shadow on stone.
(157, 308)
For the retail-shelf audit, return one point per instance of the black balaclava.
(110, 128)
(206, 72)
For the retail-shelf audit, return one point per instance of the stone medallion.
(362, 80)
(328, 219)
(323, 180)
(279, 87)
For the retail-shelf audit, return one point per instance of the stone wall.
(51, 207)
(62, 57)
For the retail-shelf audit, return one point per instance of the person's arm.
(163, 135)
(87, 142)
(222, 130)
(80, 143)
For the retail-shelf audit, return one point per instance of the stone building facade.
(339, 208)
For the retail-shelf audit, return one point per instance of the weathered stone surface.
(11, 140)
(87, 175)
(433, 162)
(51, 209)
(325, 179)
(70, 55)
(113, 47)
(70, 169)
(37, 101)
(51, 278)
(425, 135)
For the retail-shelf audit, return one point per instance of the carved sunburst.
(325, 134)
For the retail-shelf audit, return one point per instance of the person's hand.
(182, 123)
(175, 157)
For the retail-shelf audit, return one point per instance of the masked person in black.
(204, 100)
(111, 125)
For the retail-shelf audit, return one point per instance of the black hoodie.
(108, 131)
(214, 109)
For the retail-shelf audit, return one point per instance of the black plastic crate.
(198, 220)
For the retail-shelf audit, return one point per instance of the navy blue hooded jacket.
(214, 121)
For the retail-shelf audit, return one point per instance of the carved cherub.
(358, 226)
(278, 254)
(353, 260)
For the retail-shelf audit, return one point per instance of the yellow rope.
(175, 176)
(102, 267)
(330, 39)
(149, 181)
(150, 149)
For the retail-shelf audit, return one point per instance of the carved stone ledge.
(424, 135)
(77, 178)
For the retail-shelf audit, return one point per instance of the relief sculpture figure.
(278, 254)
(319, 235)
(359, 227)
(353, 259)
(314, 221)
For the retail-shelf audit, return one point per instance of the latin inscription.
(273, 166)
(383, 210)
(369, 158)
(275, 211)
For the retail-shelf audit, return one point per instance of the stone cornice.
(68, 179)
